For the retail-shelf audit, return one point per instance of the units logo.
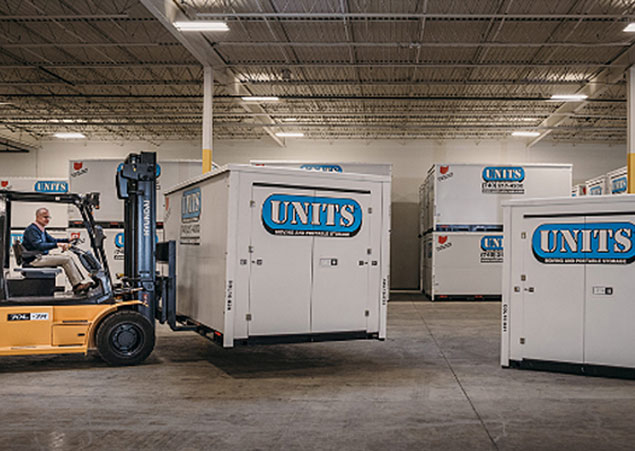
(593, 243)
(443, 243)
(191, 205)
(322, 167)
(618, 185)
(5, 184)
(51, 187)
(503, 180)
(284, 214)
(78, 169)
(444, 173)
(492, 249)
(595, 190)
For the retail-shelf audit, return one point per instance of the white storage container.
(461, 196)
(99, 176)
(618, 181)
(462, 265)
(578, 190)
(268, 252)
(23, 213)
(568, 284)
(358, 168)
(597, 186)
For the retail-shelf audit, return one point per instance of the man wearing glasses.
(37, 239)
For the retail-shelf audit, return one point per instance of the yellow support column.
(208, 94)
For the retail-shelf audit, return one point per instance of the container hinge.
(250, 249)
(248, 316)
(523, 235)
(522, 341)
(370, 210)
(369, 251)
(367, 313)
(252, 203)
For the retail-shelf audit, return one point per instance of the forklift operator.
(37, 239)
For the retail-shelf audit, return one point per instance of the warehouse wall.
(411, 160)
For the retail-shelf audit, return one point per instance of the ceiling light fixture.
(569, 97)
(290, 119)
(260, 99)
(69, 135)
(200, 25)
(630, 28)
(521, 134)
(290, 134)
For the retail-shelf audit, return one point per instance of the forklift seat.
(34, 281)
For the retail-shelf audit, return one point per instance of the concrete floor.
(434, 384)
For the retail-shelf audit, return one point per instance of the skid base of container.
(305, 338)
(464, 297)
(574, 368)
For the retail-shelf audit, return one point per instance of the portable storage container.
(358, 168)
(23, 213)
(597, 186)
(463, 265)
(568, 284)
(459, 197)
(618, 181)
(269, 253)
(578, 190)
(99, 176)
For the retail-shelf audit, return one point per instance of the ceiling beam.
(414, 45)
(595, 87)
(412, 16)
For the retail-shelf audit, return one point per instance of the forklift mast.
(136, 181)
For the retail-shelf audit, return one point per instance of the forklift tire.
(125, 338)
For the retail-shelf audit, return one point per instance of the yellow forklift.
(119, 322)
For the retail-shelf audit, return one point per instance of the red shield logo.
(74, 235)
(443, 239)
(444, 169)
(77, 165)
(4, 183)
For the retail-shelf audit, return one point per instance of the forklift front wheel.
(125, 338)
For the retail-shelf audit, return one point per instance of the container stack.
(461, 223)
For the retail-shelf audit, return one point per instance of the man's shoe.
(82, 288)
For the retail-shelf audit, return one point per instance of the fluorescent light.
(201, 25)
(521, 134)
(569, 97)
(290, 119)
(260, 99)
(630, 28)
(69, 135)
(290, 134)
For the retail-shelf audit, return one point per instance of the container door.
(342, 257)
(553, 291)
(280, 270)
(610, 305)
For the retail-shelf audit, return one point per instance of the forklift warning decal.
(28, 316)
(592, 243)
(284, 214)
(492, 249)
(503, 180)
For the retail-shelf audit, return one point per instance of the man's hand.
(63, 246)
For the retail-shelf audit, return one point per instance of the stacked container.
(358, 168)
(618, 181)
(597, 186)
(461, 223)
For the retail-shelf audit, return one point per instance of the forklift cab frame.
(106, 319)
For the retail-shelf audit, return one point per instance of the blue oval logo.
(191, 205)
(492, 243)
(119, 240)
(592, 243)
(284, 214)
(503, 174)
(44, 186)
(322, 167)
(619, 185)
(595, 191)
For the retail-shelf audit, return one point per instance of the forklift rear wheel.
(125, 338)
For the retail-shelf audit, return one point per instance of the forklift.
(116, 320)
